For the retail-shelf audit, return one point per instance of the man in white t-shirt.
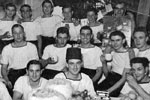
(16, 55)
(140, 39)
(120, 64)
(6, 23)
(30, 82)
(79, 80)
(56, 52)
(48, 24)
(31, 28)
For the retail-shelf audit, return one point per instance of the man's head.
(34, 70)
(117, 40)
(62, 36)
(139, 67)
(26, 11)
(10, 10)
(67, 12)
(140, 37)
(47, 7)
(74, 60)
(86, 34)
(119, 9)
(91, 14)
(18, 33)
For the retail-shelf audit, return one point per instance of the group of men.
(35, 51)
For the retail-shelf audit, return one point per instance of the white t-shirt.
(6, 26)
(126, 88)
(4, 94)
(58, 53)
(18, 57)
(145, 53)
(120, 60)
(95, 30)
(49, 25)
(23, 86)
(91, 57)
(74, 31)
(32, 30)
(85, 83)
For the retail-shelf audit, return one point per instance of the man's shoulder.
(23, 78)
(85, 76)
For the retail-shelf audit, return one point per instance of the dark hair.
(121, 34)
(117, 33)
(67, 6)
(86, 28)
(141, 29)
(10, 5)
(63, 30)
(34, 62)
(17, 25)
(48, 1)
(25, 5)
(91, 9)
(144, 61)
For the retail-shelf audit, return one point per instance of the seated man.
(79, 81)
(56, 52)
(32, 81)
(138, 80)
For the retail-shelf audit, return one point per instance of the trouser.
(46, 41)
(110, 80)
(13, 75)
(49, 74)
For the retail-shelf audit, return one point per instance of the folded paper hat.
(73, 53)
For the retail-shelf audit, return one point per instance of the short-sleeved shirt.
(6, 26)
(48, 25)
(18, 57)
(56, 52)
(32, 30)
(120, 60)
(4, 94)
(126, 88)
(91, 57)
(23, 86)
(85, 83)
(144, 53)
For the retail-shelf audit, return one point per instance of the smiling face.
(74, 66)
(85, 36)
(140, 39)
(139, 72)
(47, 8)
(34, 72)
(26, 12)
(117, 42)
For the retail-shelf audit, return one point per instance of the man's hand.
(6, 35)
(9, 84)
(131, 80)
(51, 60)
